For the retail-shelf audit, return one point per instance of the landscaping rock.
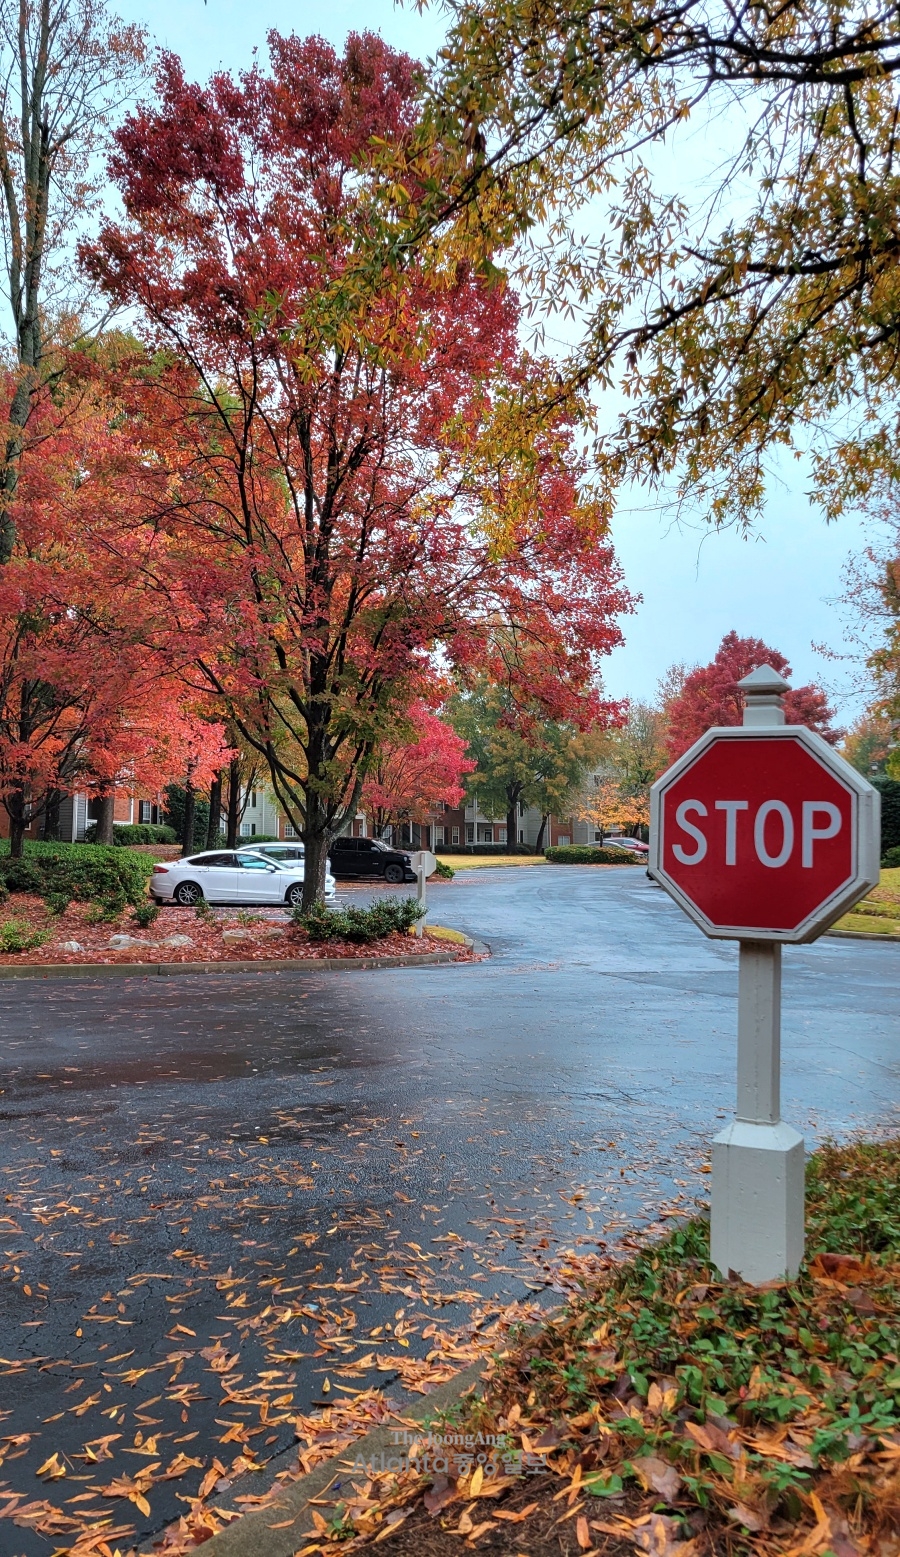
(237, 935)
(71, 946)
(174, 940)
(119, 942)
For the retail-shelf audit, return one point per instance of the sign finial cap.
(764, 679)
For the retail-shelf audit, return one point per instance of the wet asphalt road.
(217, 1188)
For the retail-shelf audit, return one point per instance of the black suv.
(370, 857)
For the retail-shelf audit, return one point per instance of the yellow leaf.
(477, 1479)
(52, 1469)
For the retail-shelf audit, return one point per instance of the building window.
(439, 837)
(253, 794)
(470, 833)
(598, 836)
(245, 829)
(144, 810)
(501, 834)
(289, 830)
(454, 835)
(564, 838)
(485, 833)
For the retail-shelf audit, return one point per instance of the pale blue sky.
(779, 586)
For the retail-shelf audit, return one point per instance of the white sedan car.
(231, 876)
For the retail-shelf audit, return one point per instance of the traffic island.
(664, 1411)
(37, 942)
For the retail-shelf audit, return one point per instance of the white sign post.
(423, 863)
(762, 834)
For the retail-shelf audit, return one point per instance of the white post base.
(757, 1222)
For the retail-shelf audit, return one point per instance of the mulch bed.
(261, 938)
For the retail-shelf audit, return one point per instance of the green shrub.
(106, 910)
(359, 924)
(57, 902)
(444, 872)
(87, 872)
(145, 913)
(589, 854)
(17, 935)
(889, 790)
(891, 859)
(127, 833)
(22, 876)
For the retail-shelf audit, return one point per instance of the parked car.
(226, 876)
(633, 845)
(370, 857)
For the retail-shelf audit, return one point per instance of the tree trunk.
(215, 812)
(234, 802)
(317, 837)
(16, 810)
(105, 819)
(51, 815)
(513, 796)
(187, 824)
(539, 845)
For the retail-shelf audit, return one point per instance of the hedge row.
(84, 871)
(127, 833)
(477, 848)
(587, 854)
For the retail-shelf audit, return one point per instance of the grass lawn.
(879, 913)
(667, 1412)
(480, 861)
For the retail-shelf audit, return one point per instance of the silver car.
(231, 876)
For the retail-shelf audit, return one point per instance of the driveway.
(218, 1188)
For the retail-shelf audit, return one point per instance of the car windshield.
(379, 843)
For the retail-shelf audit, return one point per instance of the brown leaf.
(659, 1535)
(582, 1534)
(837, 1267)
(658, 1476)
(515, 1519)
(862, 1303)
(442, 1492)
(712, 1439)
(741, 1515)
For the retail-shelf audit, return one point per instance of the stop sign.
(765, 834)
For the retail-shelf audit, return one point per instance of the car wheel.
(394, 874)
(294, 895)
(188, 894)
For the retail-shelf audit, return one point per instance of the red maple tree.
(710, 695)
(409, 778)
(330, 508)
(85, 700)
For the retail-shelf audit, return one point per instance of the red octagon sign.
(764, 833)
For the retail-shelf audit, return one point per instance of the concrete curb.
(68, 970)
(253, 1534)
(863, 935)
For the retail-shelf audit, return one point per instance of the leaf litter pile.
(209, 1366)
(664, 1413)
